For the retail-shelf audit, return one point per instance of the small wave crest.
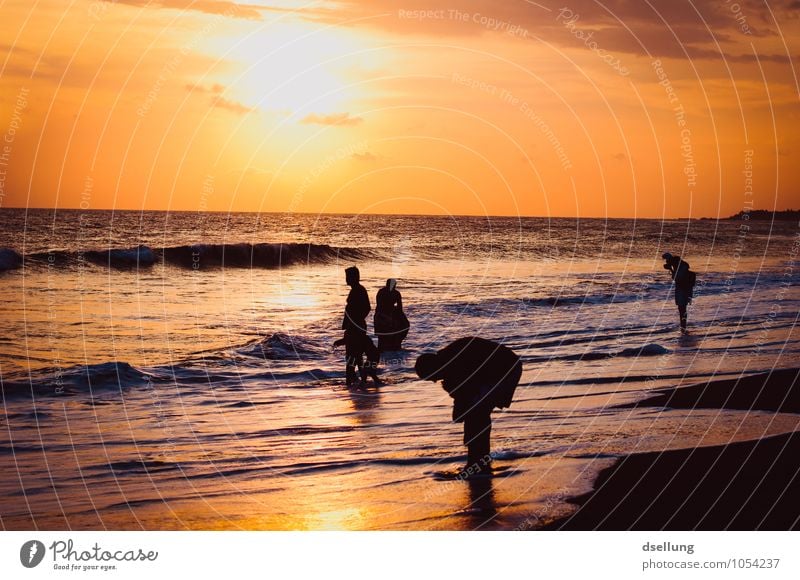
(281, 346)
(652, 349)
(9, 259)
(588, 299)
(137, 466)
(54, 382)
(646, 350)
(125, 258)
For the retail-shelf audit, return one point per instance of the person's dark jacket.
(357, 309)
(478, 374)
(389, 315)
(387, 300)
(683, 282)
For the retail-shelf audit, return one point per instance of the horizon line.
(518, 216)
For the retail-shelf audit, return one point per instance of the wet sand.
(749, 485)
(778, 391)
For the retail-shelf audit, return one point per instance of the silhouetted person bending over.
(356, 341)
(684, 284)
(391, 324)
(479, 375)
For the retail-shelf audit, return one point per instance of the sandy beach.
(749, 485)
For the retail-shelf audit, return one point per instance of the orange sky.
(573, 108)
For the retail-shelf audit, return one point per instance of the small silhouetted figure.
(356, 341)
(479, 375)
(684, 284)
(391, 324)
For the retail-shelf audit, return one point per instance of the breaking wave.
(84, 378)
(281, 346)
(195, 256)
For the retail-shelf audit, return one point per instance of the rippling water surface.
(168, 370)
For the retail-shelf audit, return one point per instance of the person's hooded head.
(670, 259)
(352, 276)
(428, 367)
(391, 284)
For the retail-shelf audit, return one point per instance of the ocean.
(169, 370)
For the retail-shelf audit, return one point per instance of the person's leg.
(681, 300)
(358, 356)
(361, 364)
(351, 375)
(373, 358)
(363, 370)
(477, 438)
(353, 360)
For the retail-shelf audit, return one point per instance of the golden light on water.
(341, 519)
(299, 299)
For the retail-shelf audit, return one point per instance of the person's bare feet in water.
(363, 383)
(475, 471)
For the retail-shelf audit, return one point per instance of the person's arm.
(363, 303)
(399, 301)
(446, 372)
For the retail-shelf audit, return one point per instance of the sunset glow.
(620, 109)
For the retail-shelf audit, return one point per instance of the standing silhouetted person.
(356, 341)
(391, 324)
(684, 284)
(479, 375)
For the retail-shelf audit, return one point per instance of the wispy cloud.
(232, 106)
(215, 89)
(365, 156)
(217, 100)
(335, 119)
(220, 7)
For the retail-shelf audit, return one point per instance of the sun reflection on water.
(342, 519)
